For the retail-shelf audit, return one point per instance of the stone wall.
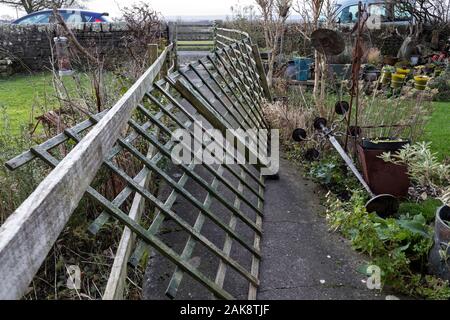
(30, 47)
(6, 67)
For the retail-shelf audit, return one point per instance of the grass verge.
(438, 130)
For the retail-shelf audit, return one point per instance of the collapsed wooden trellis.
(226, 89)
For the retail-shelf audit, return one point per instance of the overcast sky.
(166, 7)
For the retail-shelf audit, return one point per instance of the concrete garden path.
(301, 258)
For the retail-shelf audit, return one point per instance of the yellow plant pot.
(397, 80)
(420, 87)
(421, 80)
(403, 71)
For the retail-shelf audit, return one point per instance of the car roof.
(67, 9)
(344, 3)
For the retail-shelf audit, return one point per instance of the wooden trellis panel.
(226, 89)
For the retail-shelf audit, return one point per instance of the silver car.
(387, 13)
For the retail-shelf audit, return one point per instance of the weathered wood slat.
(28, 156)
(252, 292)
(193, 175)
(235, 93)
(191, 118)
(186, 226)
(262, 74)
(29, 233)
(116, 282)
(177, 276)
(213, 171)
(211, 103)
(222, 269)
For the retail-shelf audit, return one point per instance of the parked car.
(389, 12)
(69, 16)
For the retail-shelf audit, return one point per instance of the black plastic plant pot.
(385, 144)
(299, 135)
(439, 258)
(320, 123)
(312, 155)
(341, 107)
(354, 131)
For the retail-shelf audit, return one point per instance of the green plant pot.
(386, 77)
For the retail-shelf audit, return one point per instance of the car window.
(379, 9)
(73, 17)
(349, 14)
(36, 18)
(401, 15)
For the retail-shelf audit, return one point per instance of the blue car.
(69, 16)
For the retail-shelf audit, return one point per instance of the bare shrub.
(274, 15)
(144, 26)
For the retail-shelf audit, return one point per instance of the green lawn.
(25, 97)
(438, 130)
(22, 95)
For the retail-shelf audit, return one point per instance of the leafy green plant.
(398, 246)
(423, 167)
(426, 208)
(445, 197)
(442, 85)
(329, 172)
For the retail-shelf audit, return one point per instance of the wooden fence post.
(29, 233)
(262, 74)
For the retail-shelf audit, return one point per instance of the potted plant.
(430, 179)
(381, 176)
(420, 82)
(386, 74)
(397, 80)
(370, 73)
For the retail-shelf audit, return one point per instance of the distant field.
(199, 45)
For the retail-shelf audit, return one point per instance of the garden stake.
(356, 68)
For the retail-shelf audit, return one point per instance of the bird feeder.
(63, 56)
